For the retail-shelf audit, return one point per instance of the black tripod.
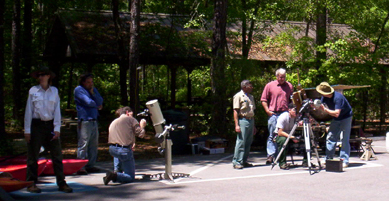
(308, 137)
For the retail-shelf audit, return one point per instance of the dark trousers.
(280, 141)
(41, 135)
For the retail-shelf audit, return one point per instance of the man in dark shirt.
(340, 109)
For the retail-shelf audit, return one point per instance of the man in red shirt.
(275, 99)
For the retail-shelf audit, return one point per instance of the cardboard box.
(216, 143)
(334, 165)
(216, 151)
(207, 151)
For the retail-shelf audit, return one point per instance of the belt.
(118, 145)
(89, 120)
(43, 122)
(278, 112)
(248, 118)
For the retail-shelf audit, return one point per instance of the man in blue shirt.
(340, 109)
(88, 102)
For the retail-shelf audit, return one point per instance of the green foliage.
(354, 59)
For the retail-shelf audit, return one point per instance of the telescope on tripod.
(162, 137)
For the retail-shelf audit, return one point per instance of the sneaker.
(65, 188)
(82, 172)
(246, 164)
(269, 160)
(345, 165)
(34, 189)
(92, 170)
(238, 166)
(284, 167)
(110, 176)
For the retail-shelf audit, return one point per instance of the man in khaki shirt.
(244, 106)
(121, 138)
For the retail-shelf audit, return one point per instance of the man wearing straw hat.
(342, 113)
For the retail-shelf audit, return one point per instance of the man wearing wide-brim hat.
(42, 123)
(342, 113)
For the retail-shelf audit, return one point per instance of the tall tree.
(134, 54)
(26, 43)
(247, 31)
(123, 57)
(321, 38)
(2, 67)
(16, 59)
(218, 65)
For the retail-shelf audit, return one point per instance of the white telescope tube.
(156, 115)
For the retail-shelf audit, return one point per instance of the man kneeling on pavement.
(285, 123)
(121, 138)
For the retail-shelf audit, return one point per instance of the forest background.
(360, 58)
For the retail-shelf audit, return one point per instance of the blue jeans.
(117, 165)
(271, 145)
(336, 127)
(243, 141)
(88, 141)
(126, 158)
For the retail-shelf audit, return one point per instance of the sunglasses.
(42, 74)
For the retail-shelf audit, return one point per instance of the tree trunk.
(321, 37)
(383, 98)
(16, 61)
(173, 86)
(134, 54)
(123, 60)
(245, 48)
(2, 68)
(217, 69)
(247, 37)
(27, 43)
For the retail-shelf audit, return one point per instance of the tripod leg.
(284, 145)
(314, 145)
(307, 141)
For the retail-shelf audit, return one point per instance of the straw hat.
(42, 70)
(324, 88)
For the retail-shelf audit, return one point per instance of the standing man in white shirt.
(42, 122)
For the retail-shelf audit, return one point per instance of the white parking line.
(205, 167)
(178, 181)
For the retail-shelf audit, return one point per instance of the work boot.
(269, 160)
(34, 189)
(284, 166)
(110, 176)
(82, 172)
(246, 164)
(65, 188)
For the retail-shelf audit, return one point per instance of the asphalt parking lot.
(213, 178)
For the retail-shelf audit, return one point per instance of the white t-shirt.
(285, 122)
